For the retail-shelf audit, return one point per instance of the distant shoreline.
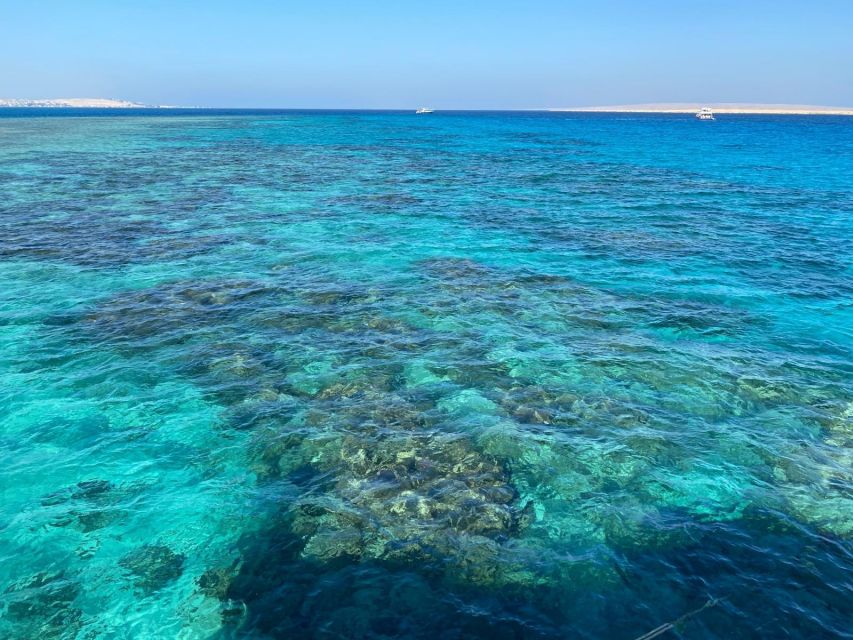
(77, 103)
(741, 109)
(655, 108)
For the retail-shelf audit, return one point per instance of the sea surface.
(372, 375)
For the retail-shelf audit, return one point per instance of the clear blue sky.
(445, 54)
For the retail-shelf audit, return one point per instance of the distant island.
(682, 107)
(82, 103)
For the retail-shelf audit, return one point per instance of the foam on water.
(366, 375)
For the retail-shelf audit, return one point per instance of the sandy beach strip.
(731, 108)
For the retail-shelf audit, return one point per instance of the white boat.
(705, 113)
(423, 110)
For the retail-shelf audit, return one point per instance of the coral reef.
(152, 566)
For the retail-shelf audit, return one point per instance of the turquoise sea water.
(372, 375)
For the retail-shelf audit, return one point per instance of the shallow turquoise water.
(372, 375)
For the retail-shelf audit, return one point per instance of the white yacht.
(423, 110)
(705, 113)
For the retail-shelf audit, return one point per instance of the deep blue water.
(299, 374)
